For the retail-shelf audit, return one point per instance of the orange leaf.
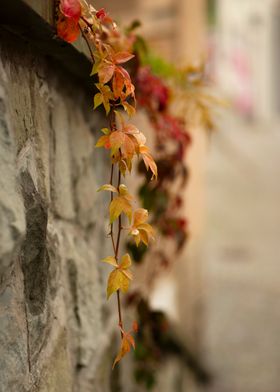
(106, 72)
(118, 84)
(116, 140)
(128, 147)
(123, 57)
(124, 73)
(125, 348)
(150, 164)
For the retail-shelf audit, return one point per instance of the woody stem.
(116, 245)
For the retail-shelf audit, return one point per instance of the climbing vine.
(123, 141)
(124, 68)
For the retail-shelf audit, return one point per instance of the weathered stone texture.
(55, 332)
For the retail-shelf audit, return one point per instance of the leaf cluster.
(110, 52)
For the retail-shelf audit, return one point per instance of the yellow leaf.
(140, 216)
(98, 100)
(140, 230)
(148, 228)
(103, 141)
(122, 167)
(130, 110)
(125, 261)
(120, 205)
(95, 68)
(144, 237)
(107, 187)
(117, 281)
(106, 131)
(110, 260)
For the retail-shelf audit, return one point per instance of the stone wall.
(55, 326)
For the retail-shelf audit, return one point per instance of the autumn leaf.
(125, 348)
(130, 110)
(125, 262)
(103, 16)
(98, 100)
(126, 343)
(120, 277)
(123, 167)
(122, 57)
(107, 187)
(71, 9)
(140, 230)
(67, 29)
(119, 205)
(110, 260)
(103, 141)
(106, 72)
(117, 139)
(103, 97)
(149, 160)
(118, 84)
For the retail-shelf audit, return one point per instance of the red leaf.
(103, 16)
(101, 13)
(67, 29)
(71, 9)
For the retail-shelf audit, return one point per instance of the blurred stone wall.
(55, 328)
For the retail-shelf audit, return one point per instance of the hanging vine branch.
(109, 50)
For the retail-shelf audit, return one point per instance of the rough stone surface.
(55, 324)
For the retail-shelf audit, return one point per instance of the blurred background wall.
(227, 283)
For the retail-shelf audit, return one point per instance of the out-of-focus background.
(226, 287)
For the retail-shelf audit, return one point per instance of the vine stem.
(88, 44)
(114, 245)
